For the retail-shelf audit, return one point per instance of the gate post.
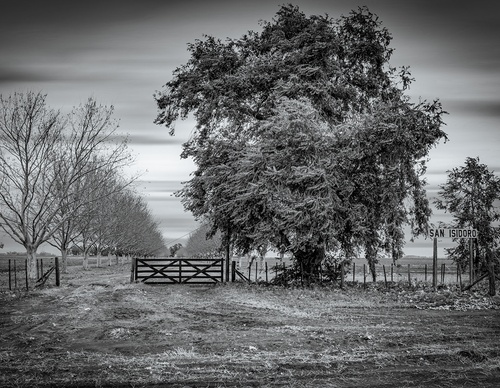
(133, 274)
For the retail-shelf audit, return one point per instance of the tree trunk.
(371, 257)
(371, 263)
(85, 260)
(64, 260)
(310, 261)
(31, 267)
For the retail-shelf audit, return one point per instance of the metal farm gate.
(177, 270)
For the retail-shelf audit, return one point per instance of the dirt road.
(99, 330)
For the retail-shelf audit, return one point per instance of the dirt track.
(100, 330)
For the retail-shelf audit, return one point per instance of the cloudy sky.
(121, 52)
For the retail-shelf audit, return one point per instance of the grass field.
(98, 330)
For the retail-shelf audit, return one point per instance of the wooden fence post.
(56, 265)
(353, 272)
(267, 281)
(425, 273)
(385, 276)
(392, 272)
(364, 275)
(233, 271)
(26, 272)
(10, 281)
(132, 270)
(409, 275)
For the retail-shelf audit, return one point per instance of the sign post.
(451, 233)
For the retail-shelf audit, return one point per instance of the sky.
(122, 52)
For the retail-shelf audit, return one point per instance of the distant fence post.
(267, 278)
(385, 276)
(353, 272)
(409, 275)
(10, 281)
(233, 271)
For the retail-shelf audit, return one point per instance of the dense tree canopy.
(305, 139)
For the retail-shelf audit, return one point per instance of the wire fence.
(410, 273)
(14, 276)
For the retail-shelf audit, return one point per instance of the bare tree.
(43, 160)
(30, 133)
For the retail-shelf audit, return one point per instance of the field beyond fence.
(410, 271)
(13, 274)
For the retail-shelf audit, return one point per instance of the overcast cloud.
(121, 52)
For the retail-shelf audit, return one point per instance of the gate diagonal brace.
(201, 270)
(40, 282)
(159, 271)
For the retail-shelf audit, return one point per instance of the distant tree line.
(62, 181)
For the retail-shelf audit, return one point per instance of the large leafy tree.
(305, 139)
(471, 194)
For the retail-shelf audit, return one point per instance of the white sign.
(453, 233)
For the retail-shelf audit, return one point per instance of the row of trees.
(306, 142)
(62, 181)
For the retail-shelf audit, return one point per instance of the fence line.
(410, 273)
(14, 272)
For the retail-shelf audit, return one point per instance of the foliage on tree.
(305, 139)
(471, 194)
(173, 249)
